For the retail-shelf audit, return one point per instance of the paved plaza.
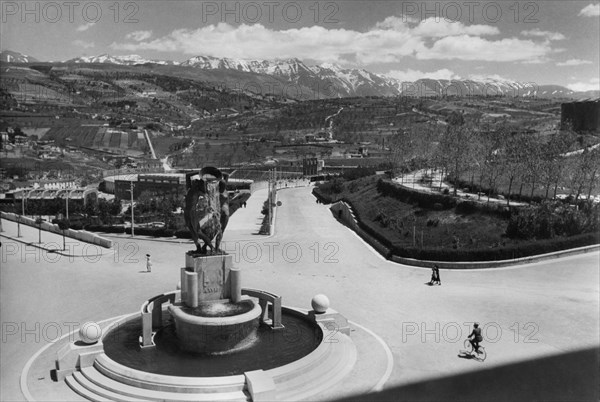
(540, 321)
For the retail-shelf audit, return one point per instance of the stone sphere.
(320, 303)
(90, 332)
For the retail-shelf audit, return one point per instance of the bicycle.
(470, 351)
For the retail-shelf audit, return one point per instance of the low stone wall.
(495, 264)
(50, 227)
(344, 213)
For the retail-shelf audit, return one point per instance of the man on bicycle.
(476, 334)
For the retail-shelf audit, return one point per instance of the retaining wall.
(50, 227)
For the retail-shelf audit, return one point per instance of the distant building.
(582, 115)
(160, 184)
(31, 196)
(156, 184)
(310, 166)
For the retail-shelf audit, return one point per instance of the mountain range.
(330, 80)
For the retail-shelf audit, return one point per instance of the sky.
(541, 42)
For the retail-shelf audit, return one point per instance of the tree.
(583, 170)
(63, 225)
(552, 163)
(400, 146)
(456, 147)
(513, 159)
(38, 222)
(488, 156)
(533, 162)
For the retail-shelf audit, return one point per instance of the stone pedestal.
(211, 282)
(212, 277)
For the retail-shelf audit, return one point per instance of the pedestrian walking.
(148, 263)
(435, 276)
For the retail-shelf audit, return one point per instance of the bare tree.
(583, 170)
(488, 155)
(513, 160)
(552, 163)
(457, 146)
(533, 162)
(401, 147)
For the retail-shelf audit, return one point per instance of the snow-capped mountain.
(336, 81)
(8, 56)
(485, 86)
(354, 82)
(129, 60)
(286, 68)
(333, 81)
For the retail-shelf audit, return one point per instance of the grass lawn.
(408, 225)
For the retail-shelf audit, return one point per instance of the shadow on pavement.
(567, 377)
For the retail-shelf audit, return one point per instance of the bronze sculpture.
(206, 210)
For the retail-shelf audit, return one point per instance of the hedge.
(321, 196)
(105, 228)
(156, 232)
(527, 249)
(410, 196)
(183, 234)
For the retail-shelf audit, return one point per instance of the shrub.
(552, 219)
(183, 234)
(105, 228)
(156, 232)
(466, 207)
(410, 196)
(498, 253)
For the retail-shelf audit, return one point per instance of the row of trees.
(500, 158)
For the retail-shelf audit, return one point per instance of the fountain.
(211, 338)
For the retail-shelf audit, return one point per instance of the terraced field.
(95, 136)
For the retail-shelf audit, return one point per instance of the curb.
(495, 264)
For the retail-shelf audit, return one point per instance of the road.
(531, 313)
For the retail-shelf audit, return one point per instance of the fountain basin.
(210, 329)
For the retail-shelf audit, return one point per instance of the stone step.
(83, 391)
(101, 391)
(129, 391)
(321, 377)
(125, 375)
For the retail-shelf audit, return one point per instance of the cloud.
(489, 77)
(472, 48)
(395, 23)
(413, 75)
(540, 60)
(388, 41)
(573, 62)
(257, 42)
(85, 27)
(139, 36)
(442, 28)
(83, 44)
(591, 10)
(591, 85)
(543, 34)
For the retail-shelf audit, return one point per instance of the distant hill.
(8, 56)
(292, 78)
